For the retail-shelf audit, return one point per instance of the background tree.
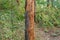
(17, 2)
(52, 2)
(48, 3)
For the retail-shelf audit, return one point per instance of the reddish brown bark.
(29, 20)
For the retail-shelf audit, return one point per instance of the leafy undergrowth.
(16, 33)
(11, 28)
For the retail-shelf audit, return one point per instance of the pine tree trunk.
(29, 20)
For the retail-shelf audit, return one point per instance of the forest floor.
(50, 34)
(40, 33)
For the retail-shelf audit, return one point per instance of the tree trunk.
(48, 3)
(29, 20)
(52, 2)
(17, 2)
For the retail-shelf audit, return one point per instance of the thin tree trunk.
(17, 2)
(52, 2)
(48, 3)
(29, 20)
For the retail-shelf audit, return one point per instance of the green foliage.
(11, 20)
(47, 16)
(12, 17)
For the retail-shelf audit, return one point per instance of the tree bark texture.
(29, 20)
